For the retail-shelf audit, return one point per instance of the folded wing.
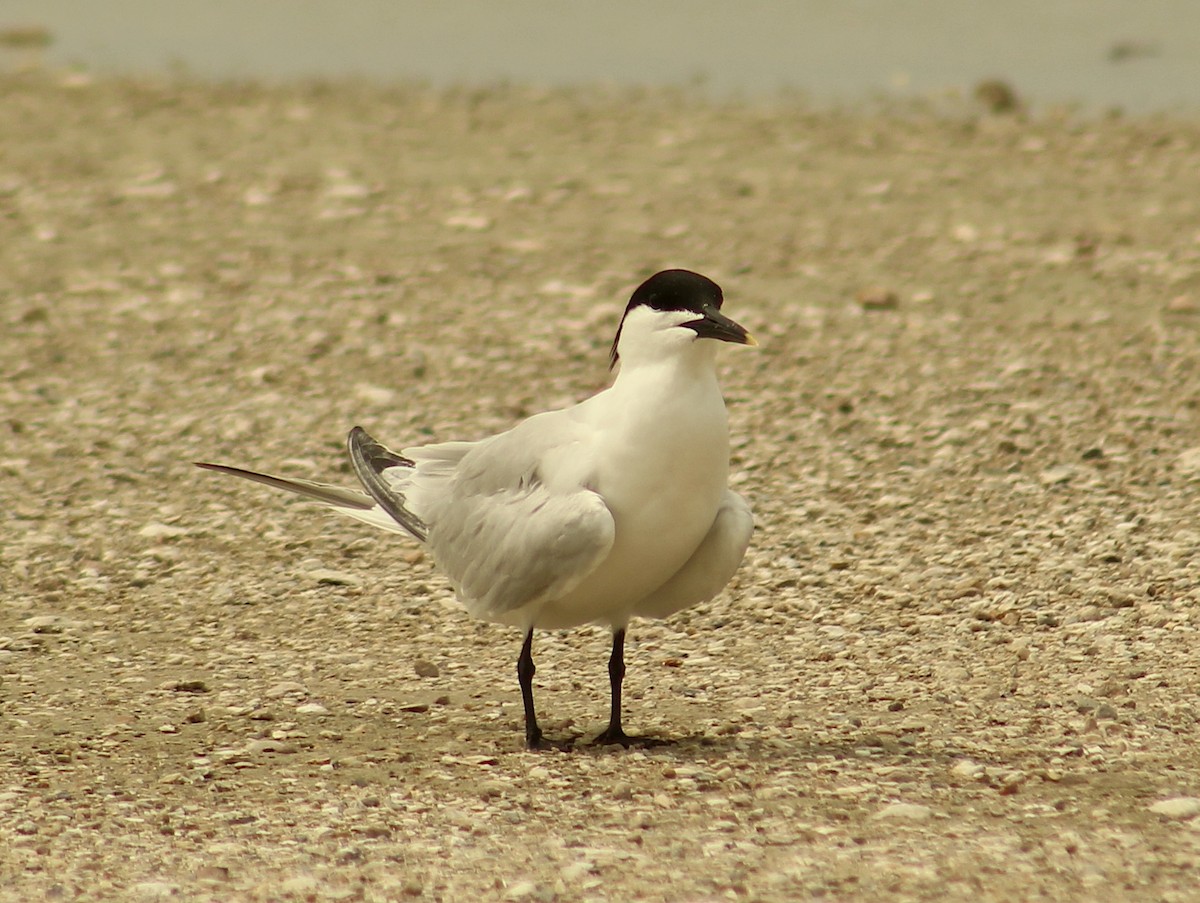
(504, 524)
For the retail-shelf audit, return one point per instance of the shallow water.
(1102, 54)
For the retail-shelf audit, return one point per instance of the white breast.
(663, 459)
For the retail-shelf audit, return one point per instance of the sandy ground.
(960, 662)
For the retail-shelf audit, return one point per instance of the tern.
(614, 508)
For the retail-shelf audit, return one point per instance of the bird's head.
(670, 310)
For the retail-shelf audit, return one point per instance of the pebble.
(185, 686)
(299, 885)
(311, 708)
(376, 395)
(213, 873)
(149, 190)
(905, 812)
(285, 688)
(967, 770)
(348, 191)
(522, 890)
(329, 577)
(1060, 473)
(1181, 304)
(878, 298)
(1182, 807)
(576, 870)
(426, 669)
(996, 95)
(162, 531)
(271, 746)
(468, 220)
(1188, 462)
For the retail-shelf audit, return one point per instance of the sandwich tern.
(613, 508)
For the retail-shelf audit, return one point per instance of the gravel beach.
(961, 660)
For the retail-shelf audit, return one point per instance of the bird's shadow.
(682, 746)
(589, 744)
(706, 748)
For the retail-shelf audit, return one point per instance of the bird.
(613, 508)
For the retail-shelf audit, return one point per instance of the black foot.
(535, 741)
(615, 736)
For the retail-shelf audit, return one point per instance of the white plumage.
(615, 508)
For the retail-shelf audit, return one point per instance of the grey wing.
(517, 550)
(506, 526)
(711, 566)
(505, 536)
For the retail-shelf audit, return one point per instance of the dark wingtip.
(378, 456)
(369, 459)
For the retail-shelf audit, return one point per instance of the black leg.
(616, 676)
(525, 671)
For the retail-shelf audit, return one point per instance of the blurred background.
(1101, 55)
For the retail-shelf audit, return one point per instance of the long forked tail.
(369, 460)
(383, 507)
(334, 496)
